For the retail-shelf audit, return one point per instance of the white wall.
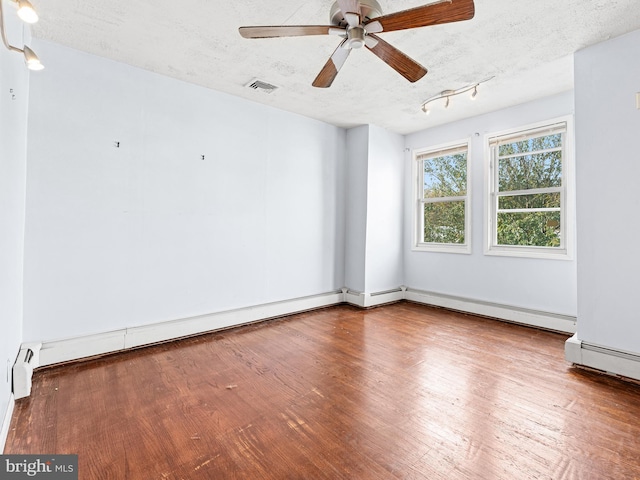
(356, 191)
(14, 80)
(543, 285)
(384, 207)
(121, 237)
(374, 187)
(608, 127)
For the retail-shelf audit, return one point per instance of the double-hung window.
(442, 200)
(528, 205)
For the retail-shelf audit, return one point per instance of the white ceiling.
(526, 44)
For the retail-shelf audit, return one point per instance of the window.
(442, 203)
(528, 201)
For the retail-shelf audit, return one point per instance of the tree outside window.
(442, 177)
(528, 191)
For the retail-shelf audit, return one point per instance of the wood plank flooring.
(400, 391)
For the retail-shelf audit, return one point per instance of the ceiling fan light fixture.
(26, 12)
(356, 37)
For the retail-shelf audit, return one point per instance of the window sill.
(530, 252)
(442, 248)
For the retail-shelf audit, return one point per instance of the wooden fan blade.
(284, 31)
(330, 70)
(401, 63)
(446, 11)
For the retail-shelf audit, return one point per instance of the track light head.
(33, 62)
(474, 93)
(26, 12)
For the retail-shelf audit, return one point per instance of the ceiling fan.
(358, 22)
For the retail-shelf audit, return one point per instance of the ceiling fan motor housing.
(355, 37)
(368, 8)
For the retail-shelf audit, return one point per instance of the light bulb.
(33, 62)
(26, 12)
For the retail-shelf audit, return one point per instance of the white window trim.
(567, 193)
(419, 246)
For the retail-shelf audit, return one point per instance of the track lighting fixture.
(29, 15)
(447, 94)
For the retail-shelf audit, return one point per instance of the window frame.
(418, 212)
(566, 190)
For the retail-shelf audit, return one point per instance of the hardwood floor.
(400, 391)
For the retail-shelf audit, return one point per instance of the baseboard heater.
(35, 355)
(608, 360)
(524, 316)
(28, 359)
(366, 300)
(610, 351)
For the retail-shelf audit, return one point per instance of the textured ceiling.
(526, 45)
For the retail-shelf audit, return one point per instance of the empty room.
(353, 239)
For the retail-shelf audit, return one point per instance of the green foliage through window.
(443, 196)
(445, 176)
(529, 190)
(444, 222)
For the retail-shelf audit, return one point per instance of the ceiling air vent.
(261, 86)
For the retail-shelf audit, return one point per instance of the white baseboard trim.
(90, 345)
(366, 300)
(6, 423)
(524, 316)
(608, 360)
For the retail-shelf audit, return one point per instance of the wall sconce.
(27, 13)
(447, 94)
